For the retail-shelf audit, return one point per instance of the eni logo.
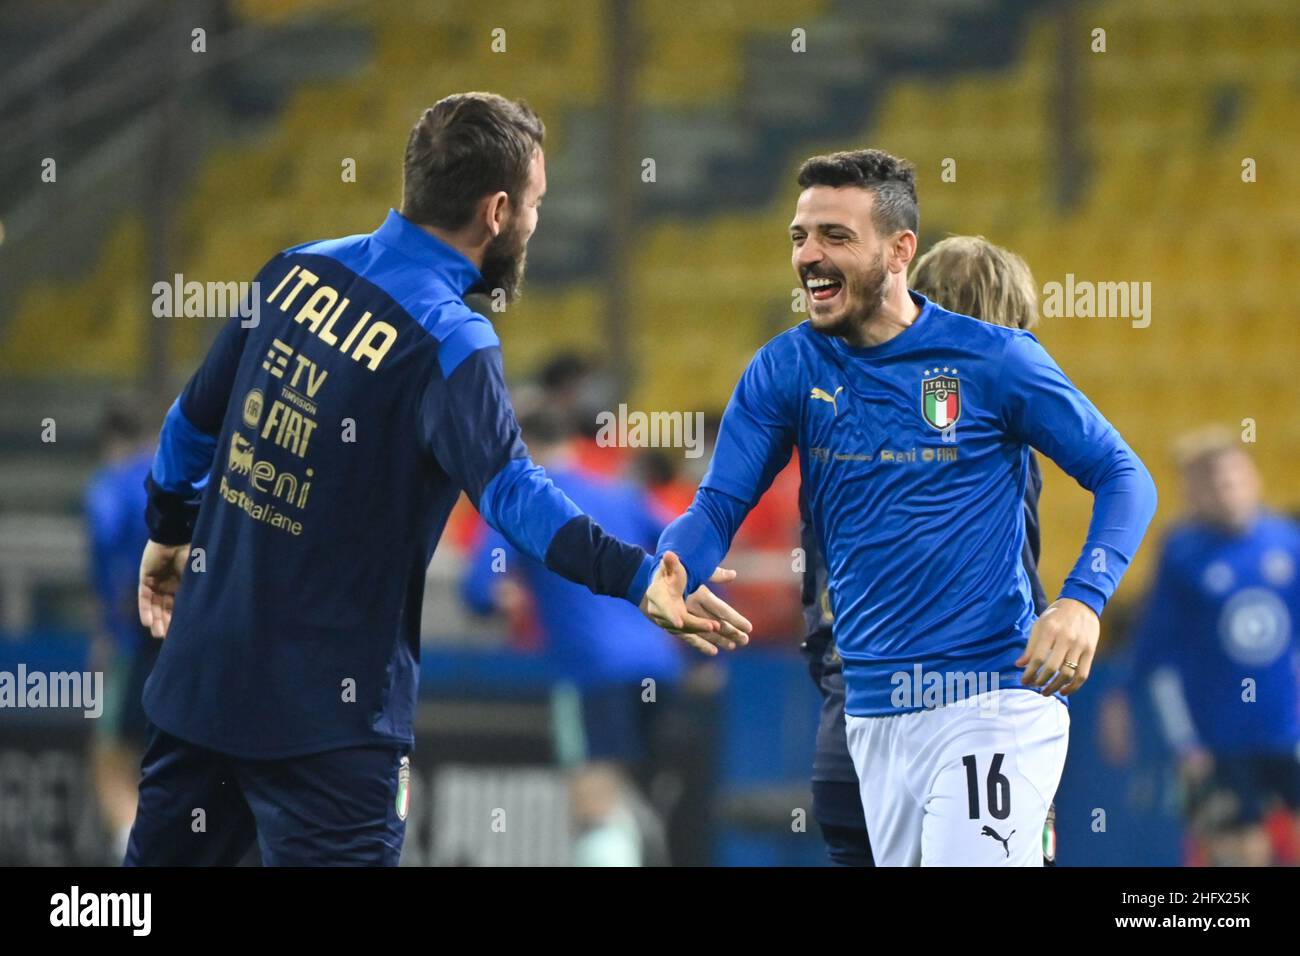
(825, 396)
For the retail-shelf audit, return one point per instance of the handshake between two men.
(703, 620)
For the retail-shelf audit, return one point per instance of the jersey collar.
(899, 342)
(451, 265)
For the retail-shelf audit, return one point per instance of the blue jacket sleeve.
(1044, 409)
(754, 443)
(702, 535)
(188, 440)
(469, 426)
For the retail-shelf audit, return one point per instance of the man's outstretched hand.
(704, 620)
(161, 568)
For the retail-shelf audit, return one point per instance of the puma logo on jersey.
(825, 396)
(989, 831)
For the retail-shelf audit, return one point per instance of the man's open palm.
(704, 620)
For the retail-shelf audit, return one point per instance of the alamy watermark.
(64, 690)
(923, 689)
(625, 429)
(211, 300)
(133, 911)
(1083, 299)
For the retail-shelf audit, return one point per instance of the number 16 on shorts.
(961, 785)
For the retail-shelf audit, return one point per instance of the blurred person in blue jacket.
(1215, 646)
(593, 641)
(122, 646)
(620, 675)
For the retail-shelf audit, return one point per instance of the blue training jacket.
(327, 443)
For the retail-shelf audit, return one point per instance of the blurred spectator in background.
(624, 673)
(665, 480)
(1214, 645)
(122, 648)
(613, 826)
(592, 641)
(763, 550)
(576, 390)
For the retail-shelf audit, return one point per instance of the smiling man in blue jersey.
(314, 458)
(969, 276)
(914, 427)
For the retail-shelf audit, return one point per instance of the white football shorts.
(966, 784)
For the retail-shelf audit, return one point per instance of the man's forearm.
(1123, 506)
(183, 460)
(539, 520)
(702, 535)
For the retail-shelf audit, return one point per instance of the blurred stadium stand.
(1107, 166)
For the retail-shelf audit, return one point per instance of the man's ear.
(495, 211)
(902, 250)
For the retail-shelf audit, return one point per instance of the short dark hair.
(544, 426)
(565, 370)
(122, 419)
(463, 148)
(892, 179)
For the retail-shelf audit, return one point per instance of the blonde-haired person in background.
(972, 276)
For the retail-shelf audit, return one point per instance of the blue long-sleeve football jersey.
(1221, 616)
(914, 457)
(330, 441)
(831, 759)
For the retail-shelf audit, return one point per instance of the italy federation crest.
(940, 399)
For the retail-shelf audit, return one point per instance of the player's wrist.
(169, 516)
(641, 579)
(1086, 595)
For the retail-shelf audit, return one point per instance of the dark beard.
(504, 261)
(871, 289)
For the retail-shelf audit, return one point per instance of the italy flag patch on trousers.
(403, 787)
